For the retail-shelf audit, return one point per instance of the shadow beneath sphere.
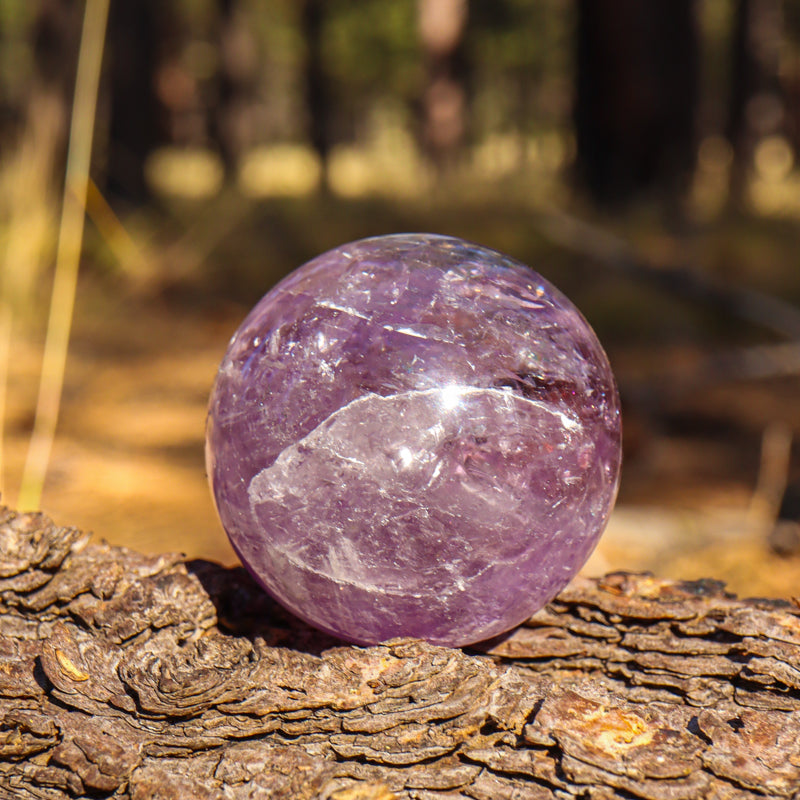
(245, 609)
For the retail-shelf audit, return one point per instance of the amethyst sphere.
(413, 435)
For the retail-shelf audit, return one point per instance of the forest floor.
(128, 459)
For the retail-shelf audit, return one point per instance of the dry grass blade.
(5, 349)
(70, 241)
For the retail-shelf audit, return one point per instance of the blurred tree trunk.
(317, 86)
(636, 98)
(756, 106)
(147, 89)
(442, 24)
(236, 79)
(34, 167)
(56, 36)
(790, 75)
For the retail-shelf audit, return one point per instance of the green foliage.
(530, 36)
(15, 17)
(15, 53)
(521, 52)
(371, 49)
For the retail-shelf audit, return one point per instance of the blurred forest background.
(643, 156)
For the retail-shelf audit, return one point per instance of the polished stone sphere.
(413, 435)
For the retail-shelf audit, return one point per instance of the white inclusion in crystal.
(345, 563)
(326, 369)
(333, 306)
(406, 457)
(322, 341)
(275, 343)
(436, 434)
(350, 448)
(450, 397)
(435, 474)
(570, 423)
(407, 331)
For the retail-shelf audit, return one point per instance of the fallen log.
(132, 676)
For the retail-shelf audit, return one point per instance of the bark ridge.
(132, 676)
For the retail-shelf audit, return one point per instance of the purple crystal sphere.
(413, 435)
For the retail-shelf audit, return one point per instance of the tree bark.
(131, 676)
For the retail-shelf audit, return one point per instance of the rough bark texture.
(123, 675)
